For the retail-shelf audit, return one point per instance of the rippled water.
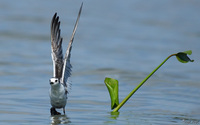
(123, 40)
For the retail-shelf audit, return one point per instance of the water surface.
(123, 40)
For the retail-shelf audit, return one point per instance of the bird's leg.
(64, 111)
(54, 112)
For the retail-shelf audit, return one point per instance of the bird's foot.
(54, 112)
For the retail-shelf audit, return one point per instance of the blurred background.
(124, 40)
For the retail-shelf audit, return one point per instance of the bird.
(61, 66)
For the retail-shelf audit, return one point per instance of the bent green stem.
(132, 92)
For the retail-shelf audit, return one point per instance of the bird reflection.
(59, 119)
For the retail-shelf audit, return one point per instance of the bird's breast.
(58, 97)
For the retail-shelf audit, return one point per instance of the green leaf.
(112, 85)
(182, 56)
(189, 52)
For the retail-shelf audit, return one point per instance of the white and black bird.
(61, 66)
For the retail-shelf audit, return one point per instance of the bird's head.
(54, 81)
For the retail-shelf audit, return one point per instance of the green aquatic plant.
(112, 84)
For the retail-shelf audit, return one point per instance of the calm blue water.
(125, 40)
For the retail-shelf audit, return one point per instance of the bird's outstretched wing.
(67, 66)
(56, 47)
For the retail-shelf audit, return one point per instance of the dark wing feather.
(67, 66)
(56, 47)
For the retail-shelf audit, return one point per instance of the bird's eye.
(56, 80)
